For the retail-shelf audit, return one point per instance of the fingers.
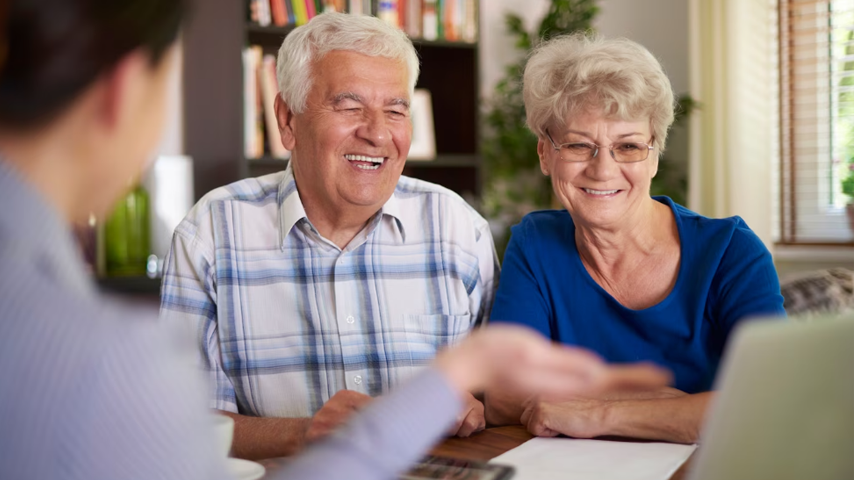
(471, 420)
(349, 399)
(334, 412)
(533, 419)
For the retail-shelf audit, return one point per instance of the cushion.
(821, 292)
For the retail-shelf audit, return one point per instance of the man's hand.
(470, 419)
(336, 411)
(519, 361)
(579, 417)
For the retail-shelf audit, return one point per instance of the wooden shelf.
(270, 29)
(130, 285)
(281, 32)
(446, 161)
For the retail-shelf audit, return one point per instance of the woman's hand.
(578, 417)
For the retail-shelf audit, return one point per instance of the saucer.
(244, 469)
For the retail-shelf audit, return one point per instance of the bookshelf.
(213, 44)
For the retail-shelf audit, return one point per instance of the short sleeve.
(519, 299)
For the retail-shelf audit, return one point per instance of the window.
(816, 60)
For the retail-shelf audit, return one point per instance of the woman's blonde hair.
(569, 74)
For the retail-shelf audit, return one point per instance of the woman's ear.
(544, 162)
(656, 156)
(285, 118)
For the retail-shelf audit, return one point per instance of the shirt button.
(350, 319)
(357, 379)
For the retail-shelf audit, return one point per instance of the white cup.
(223, 434)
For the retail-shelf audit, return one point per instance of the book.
(280, 15)
(449, 19)
(430, 20)
(310, 9)
(471, 21)
(388, 12)
(300, 12)
(259, 12)
(269, 91)
(413, 18)
(253, 135)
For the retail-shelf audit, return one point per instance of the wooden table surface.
(485, 445)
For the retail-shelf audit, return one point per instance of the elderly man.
(314, 289)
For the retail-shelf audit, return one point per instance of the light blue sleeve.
(138, 412)
(386, 438)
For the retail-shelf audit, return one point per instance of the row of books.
(452, 20)
(260, 129)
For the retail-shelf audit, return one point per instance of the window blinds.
(816, 61)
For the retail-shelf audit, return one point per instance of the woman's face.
(600, 192)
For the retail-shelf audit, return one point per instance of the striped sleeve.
(188, 303)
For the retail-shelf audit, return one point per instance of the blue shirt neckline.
(674, 292)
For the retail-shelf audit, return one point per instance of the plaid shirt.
(285, 319)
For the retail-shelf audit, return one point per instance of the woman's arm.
(666, 416)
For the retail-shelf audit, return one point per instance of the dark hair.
(52, 50)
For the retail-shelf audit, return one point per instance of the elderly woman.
(627, 275)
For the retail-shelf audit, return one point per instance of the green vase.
(126, 235)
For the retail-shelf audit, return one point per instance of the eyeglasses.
(621, 152)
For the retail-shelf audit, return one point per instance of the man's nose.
(374, 129)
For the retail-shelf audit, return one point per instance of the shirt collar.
(34, 230)
(291, 209)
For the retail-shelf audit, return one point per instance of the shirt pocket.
(426, 334)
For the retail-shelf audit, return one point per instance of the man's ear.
(118, 87)
(285, 118)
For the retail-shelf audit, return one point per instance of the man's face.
(350, 144)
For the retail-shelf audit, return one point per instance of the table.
(492, 442)
(484, 446)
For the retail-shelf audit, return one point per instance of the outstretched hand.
(519, 361)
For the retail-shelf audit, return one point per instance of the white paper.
(563, 458)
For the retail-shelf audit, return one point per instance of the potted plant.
(848, 190)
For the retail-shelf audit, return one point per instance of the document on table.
(562, 458)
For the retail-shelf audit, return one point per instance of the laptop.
(785, 404)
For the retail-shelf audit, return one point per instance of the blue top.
(725, 275)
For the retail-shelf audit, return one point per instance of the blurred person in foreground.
(629, 276)
(314, 289)
(95, 391)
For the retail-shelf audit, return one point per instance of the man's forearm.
(258, 437)
(676, 419)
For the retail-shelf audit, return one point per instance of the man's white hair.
(332, 31)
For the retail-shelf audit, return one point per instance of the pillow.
(822, 292)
